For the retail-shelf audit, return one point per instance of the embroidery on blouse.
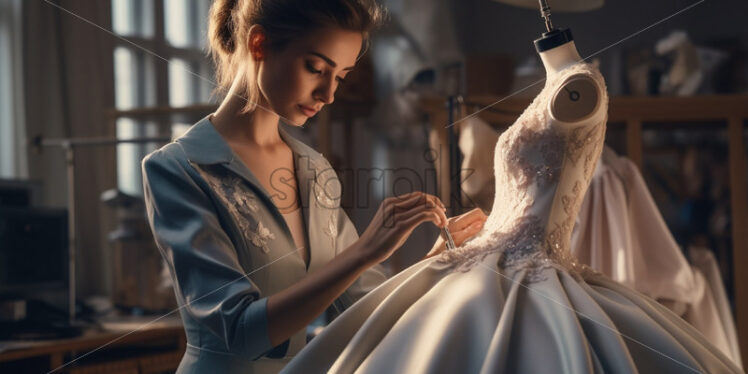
(327, 195)
(260, 237)
(322, 197)
(241, 204)
(530, 159)
(331, 230)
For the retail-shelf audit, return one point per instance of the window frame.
(153, 74)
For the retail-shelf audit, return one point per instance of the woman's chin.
(297, 120)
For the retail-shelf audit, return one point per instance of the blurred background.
(88, 88)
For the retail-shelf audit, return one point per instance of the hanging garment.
(704, 262)
(477, 141)
(513, 299)
(621, 233)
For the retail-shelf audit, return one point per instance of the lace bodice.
(542, 169)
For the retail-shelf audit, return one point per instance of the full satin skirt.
(431, 319)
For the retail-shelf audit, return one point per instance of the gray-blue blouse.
(228, 247)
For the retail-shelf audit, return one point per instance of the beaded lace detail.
(542, 169)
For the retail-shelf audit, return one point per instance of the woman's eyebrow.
(328, 60)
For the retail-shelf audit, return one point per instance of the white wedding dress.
(513, 299)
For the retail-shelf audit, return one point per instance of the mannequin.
(578, 99)
(575, 103)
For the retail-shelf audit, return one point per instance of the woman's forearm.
(295, 307)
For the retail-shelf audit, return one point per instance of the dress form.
(575, 103)
(578, 98)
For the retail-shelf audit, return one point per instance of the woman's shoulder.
(170, 155)
(200, 144)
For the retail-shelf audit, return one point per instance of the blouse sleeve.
(209, 282)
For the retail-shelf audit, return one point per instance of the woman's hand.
(462, 228)
(395, 220)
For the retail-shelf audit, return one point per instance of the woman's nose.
(326, 92)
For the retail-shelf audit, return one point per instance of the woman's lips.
(309, 112)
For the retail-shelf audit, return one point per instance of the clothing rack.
(633, 112)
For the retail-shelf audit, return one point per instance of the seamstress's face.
(300, 79)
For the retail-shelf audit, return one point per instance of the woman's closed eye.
(312, 70)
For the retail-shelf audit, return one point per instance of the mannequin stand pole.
(68, 145)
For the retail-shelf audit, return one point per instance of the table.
(132, 345)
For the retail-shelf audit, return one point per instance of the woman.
(247, 217)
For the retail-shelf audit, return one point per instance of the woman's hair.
(282, 21)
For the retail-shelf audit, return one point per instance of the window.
(12, 150)
(177, 73)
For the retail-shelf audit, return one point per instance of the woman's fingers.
(411, 223)
(405, 214)
(417, 203)
(415, 198)
(464, 220)
(395, 220)
(396, 204)
(467, 232)
(408, 199)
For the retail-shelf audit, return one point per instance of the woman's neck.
(258, 127)
(559, 58)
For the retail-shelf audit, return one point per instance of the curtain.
(68, 85)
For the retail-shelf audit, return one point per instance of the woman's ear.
(257, 42)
